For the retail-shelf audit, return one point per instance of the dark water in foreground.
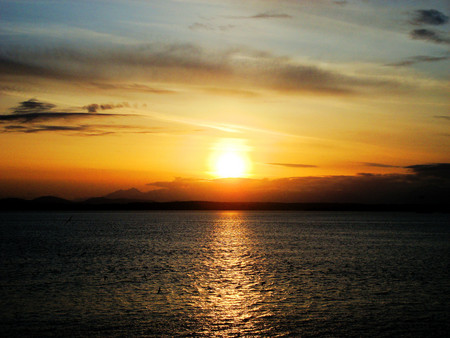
(224, 274)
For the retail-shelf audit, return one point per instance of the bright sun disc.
(229, 159)
(230, 165)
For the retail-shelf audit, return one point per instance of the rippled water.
(224, 274)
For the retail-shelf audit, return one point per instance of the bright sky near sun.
(101, 95)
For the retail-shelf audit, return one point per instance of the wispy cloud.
(32, 110)
(201, 26)
(84, 129)
(429, 35)
(293, 165)
(418, 59)
(62, 32)
(445, 117)
(264, 15)
(270, 15)
(131, 87)
(95, 107)
(34, 116)
(210, 27)
(379, 165)
(182, 63)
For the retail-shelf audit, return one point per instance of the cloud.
(8, 66)
(428, 35)
(40, 128)
(379, 165)
(264, 15)
(46, 116)
(429, 17)
(34, 116)
(418, 59)
(210, 27)
(293, 165)
(445, 117)
(426, 183)
(201, 26)
(32, 110)
(32, 106)
(94, 107)
(225, 28)
(29, 116)
(85, 130)
(183, 63)
(133, 87)
(436, 170)
(270, 15)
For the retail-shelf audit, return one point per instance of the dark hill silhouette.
(51, 200)
(107, 200)
(49, 203)
(129, 194)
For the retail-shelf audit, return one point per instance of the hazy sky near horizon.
(105, 95)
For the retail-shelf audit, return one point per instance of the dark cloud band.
(425, 183)
(429, 35)
(25, 117)
(429, 17)
(184, 63)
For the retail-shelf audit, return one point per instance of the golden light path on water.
(225, 274)
(230, 292)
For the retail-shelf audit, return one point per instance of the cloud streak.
(34, 116)
(292, 165)
(264, 15)
(85, 129)
(182, 63)
(418, 59)
(131, 87)
(379, 165)
(199, 26)
(270, 15)
(429, 35)
(445, 117)
(94, 107)
(34, 106)
(32, 110)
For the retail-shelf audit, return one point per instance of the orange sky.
(154, 91)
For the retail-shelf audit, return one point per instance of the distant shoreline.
(57, 204)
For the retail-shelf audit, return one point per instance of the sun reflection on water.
(230, 291)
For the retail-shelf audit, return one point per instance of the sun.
(229, 159)
(230, 165)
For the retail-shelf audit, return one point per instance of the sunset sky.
(97, 96)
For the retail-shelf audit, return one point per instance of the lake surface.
(203, 274)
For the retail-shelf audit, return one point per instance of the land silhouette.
(51, 203)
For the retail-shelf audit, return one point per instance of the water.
(221, 274)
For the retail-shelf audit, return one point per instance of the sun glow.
(230, 165)
(229, 159)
